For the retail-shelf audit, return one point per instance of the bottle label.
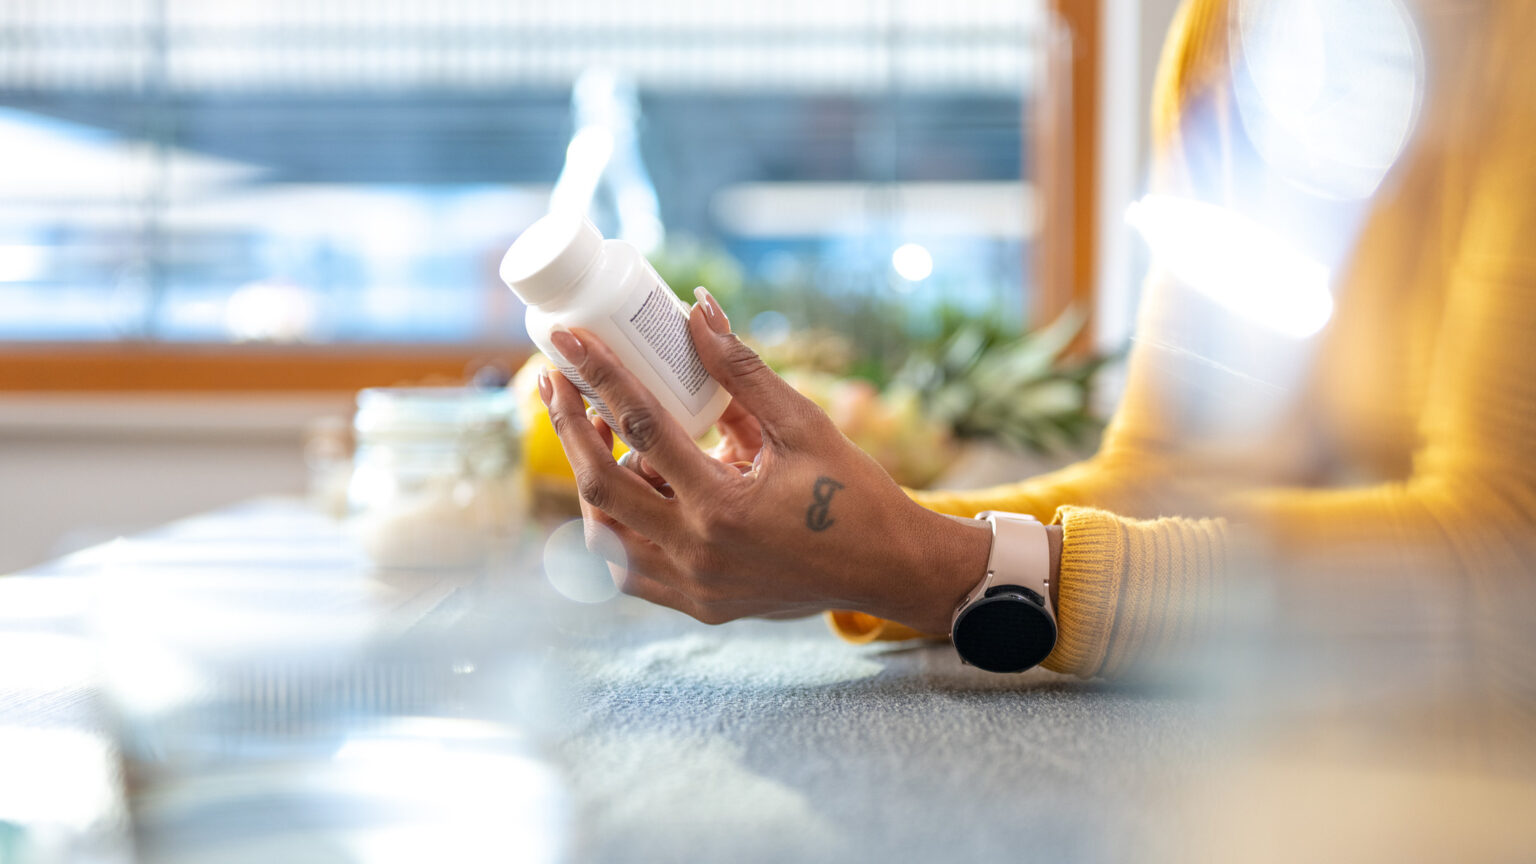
(657, 323)
(593, 399)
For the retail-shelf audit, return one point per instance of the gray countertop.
(664, 739)
(764, 742)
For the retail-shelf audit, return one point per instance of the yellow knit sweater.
(1405, 452)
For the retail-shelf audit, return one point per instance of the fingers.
(599, 480)
(647, 427)
(780, 409)
(740, 432)
(634, 582)
(635, 463)
(604, 431)
(638, 568)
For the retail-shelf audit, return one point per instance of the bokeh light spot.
(578, 573)
(912, 262)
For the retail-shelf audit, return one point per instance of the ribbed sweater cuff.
(1093, 549)
(1132, 591)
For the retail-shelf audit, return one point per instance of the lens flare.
(1242, 265)
(575, 571)
(1328, 91)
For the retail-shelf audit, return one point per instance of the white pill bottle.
(570, 276)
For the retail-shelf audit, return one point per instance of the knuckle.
(805, 421)
(594, 488)
(742, 362)
(812, 418)
(599, 376)
(640, 428)
(714, 527)
(562, 421)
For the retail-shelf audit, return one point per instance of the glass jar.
(436, 480)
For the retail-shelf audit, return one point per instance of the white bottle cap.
(553, 253)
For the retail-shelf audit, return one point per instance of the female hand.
(815, 524)
(741, 436)
(741, 439)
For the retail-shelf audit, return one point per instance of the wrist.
(948, 557)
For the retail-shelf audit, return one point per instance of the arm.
(1459, 526)
(814, 524)
(1467, 510)
(1451, 541)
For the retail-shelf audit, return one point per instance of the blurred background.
(220, 219)
(341, 172)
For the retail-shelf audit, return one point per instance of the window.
(323, 171)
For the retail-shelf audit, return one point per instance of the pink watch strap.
(1021, 555)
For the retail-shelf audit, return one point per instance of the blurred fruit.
(891, 426)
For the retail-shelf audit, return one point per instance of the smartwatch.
(1007, 622)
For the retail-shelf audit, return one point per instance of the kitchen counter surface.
(653, 737)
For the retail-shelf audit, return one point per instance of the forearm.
(1422, 534)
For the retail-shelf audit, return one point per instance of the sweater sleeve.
(1133, 587)
(1137, 474)
(1467, 510)
(1136, 470)
(1120, 560)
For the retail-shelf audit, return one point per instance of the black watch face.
(1004, 632)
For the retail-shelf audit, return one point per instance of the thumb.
(779, 408)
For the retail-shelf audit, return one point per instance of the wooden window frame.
(173, 367)
(1066, 139)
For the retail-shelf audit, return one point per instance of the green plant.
(1021, 391)
(971, 372)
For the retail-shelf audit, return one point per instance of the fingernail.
(546, 390)
(591, 412)
(712, 311)
(568, 345)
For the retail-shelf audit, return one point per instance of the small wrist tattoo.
(816, 515)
